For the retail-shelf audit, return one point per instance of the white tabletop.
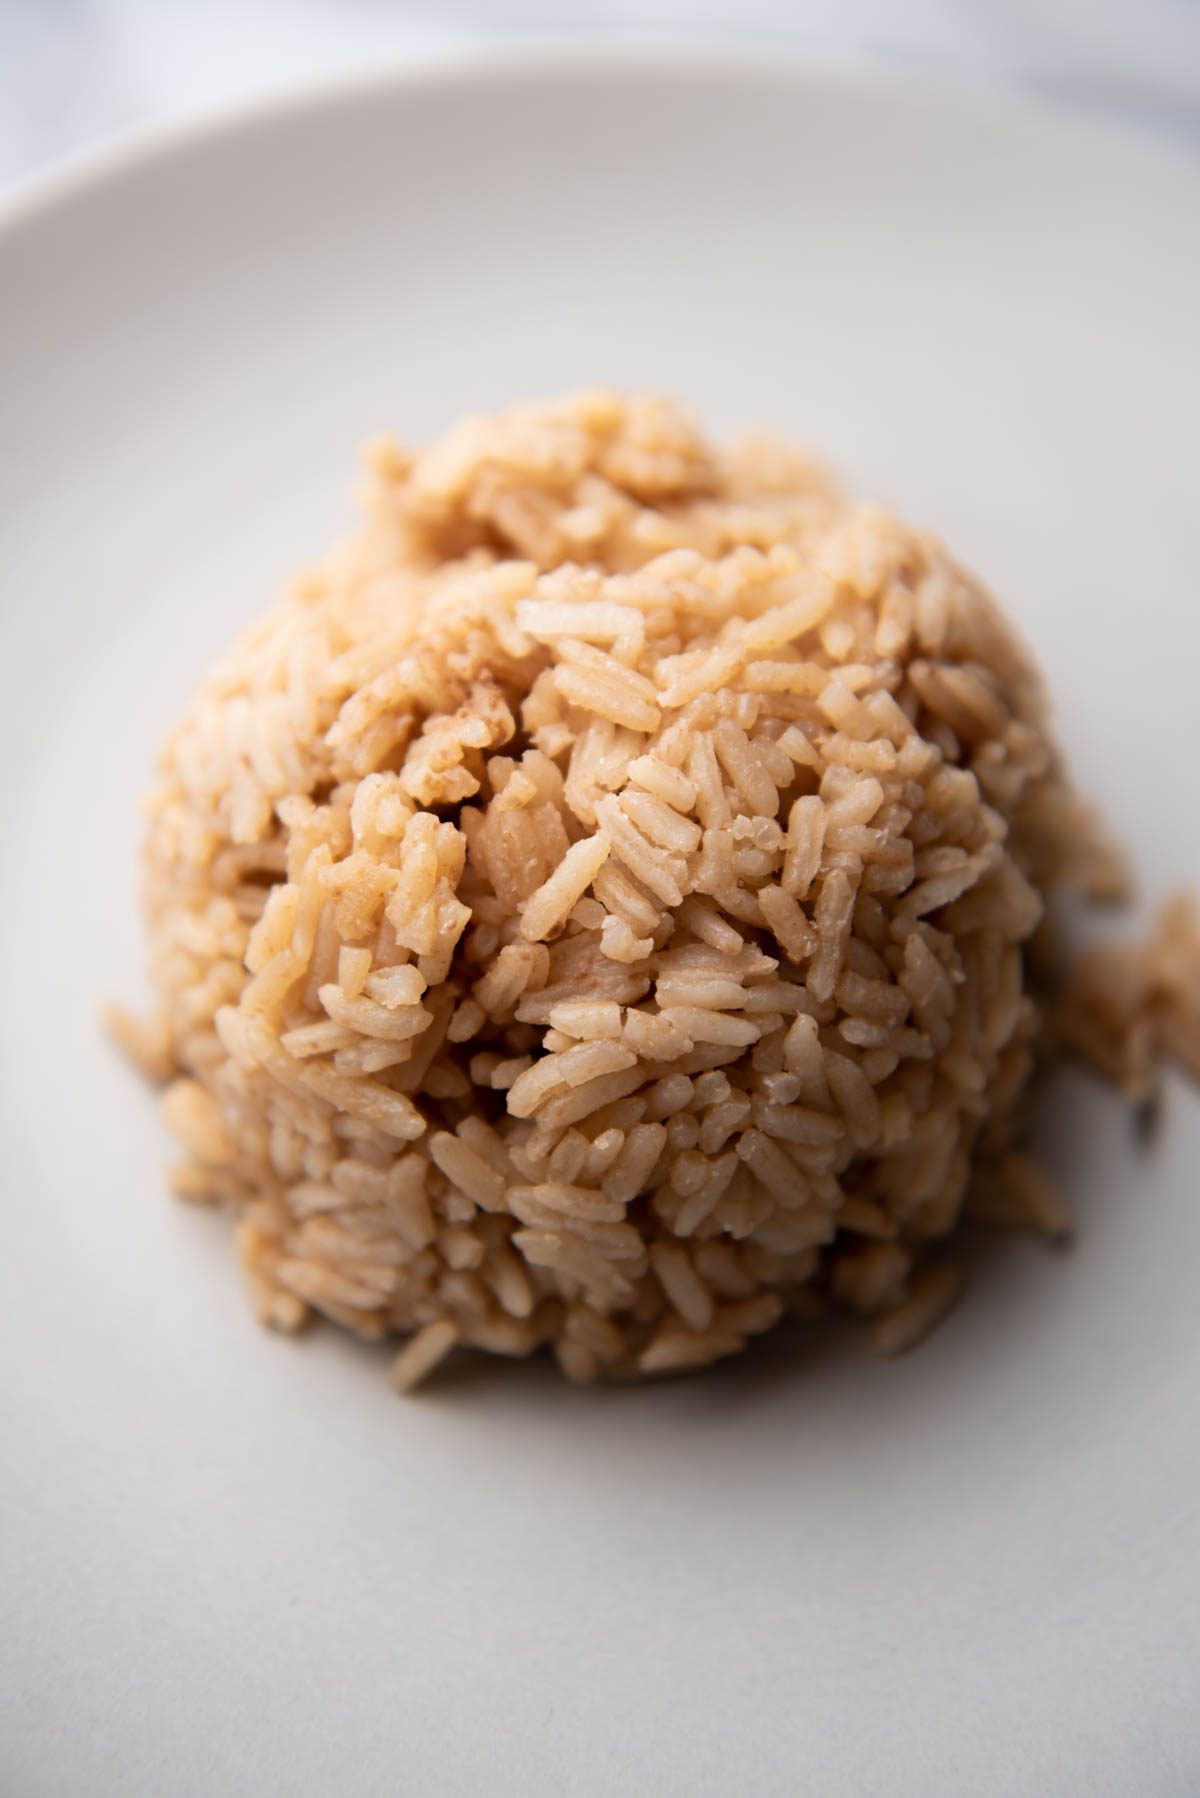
(83, 71)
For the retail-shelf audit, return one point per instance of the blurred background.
(74, 73)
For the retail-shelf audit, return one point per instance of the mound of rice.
(595, 909)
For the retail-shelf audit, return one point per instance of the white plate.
(236, 1565)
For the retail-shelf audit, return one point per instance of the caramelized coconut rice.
(594, 909)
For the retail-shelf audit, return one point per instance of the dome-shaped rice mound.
(592, 911)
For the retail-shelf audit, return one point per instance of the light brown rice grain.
(417, 1360)
(547, 909)
(905, 1325)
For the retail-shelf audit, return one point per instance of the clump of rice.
(593, 910)
(1127, 1007)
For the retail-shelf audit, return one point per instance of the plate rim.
(85, 172)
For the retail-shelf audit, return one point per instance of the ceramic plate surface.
(233, 1564)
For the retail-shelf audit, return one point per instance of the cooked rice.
(1129, 1005)
(593, 911)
